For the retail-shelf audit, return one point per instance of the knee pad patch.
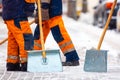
(28, 41)
(57, 34)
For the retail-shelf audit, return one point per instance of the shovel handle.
(40, 28)
(3, 41)
(106, 25)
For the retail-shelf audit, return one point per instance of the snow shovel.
(4, 40)
(43, 60)
(96, 60)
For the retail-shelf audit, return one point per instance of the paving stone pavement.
(69, 73)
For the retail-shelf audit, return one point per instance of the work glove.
(44, 11)
(29, 7)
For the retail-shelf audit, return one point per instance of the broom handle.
(40, 28)
(3, 41)
(106, 25)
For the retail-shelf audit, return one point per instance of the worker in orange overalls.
(20, 38)
(52, 20)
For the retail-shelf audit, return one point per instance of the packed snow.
(84, 36)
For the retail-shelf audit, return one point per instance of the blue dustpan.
(52, 62)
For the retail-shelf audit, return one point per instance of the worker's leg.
(12, 54)
(46, 30)
(63, 40)
(23, 36)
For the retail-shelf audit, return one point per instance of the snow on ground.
(84, 36)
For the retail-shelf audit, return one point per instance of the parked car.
(102, 11)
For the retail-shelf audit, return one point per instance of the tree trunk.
(72, 9)
(84, 6)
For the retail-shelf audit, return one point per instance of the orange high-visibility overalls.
(20, 38)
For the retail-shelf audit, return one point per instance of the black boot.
(13, 67)
(72, 59)
(24, 66)
(71, 63)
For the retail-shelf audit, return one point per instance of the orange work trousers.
(20, 39)
(59, 33)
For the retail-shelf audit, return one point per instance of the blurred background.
(94, 12)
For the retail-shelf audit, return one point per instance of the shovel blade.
(96, 61)
(52, 62)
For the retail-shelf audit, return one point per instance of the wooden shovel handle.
(106, 25)
(40, 28)
(3, 41)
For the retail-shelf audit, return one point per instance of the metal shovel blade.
(52, 62)
(96, 61)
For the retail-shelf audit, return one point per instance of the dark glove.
(29, 8)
